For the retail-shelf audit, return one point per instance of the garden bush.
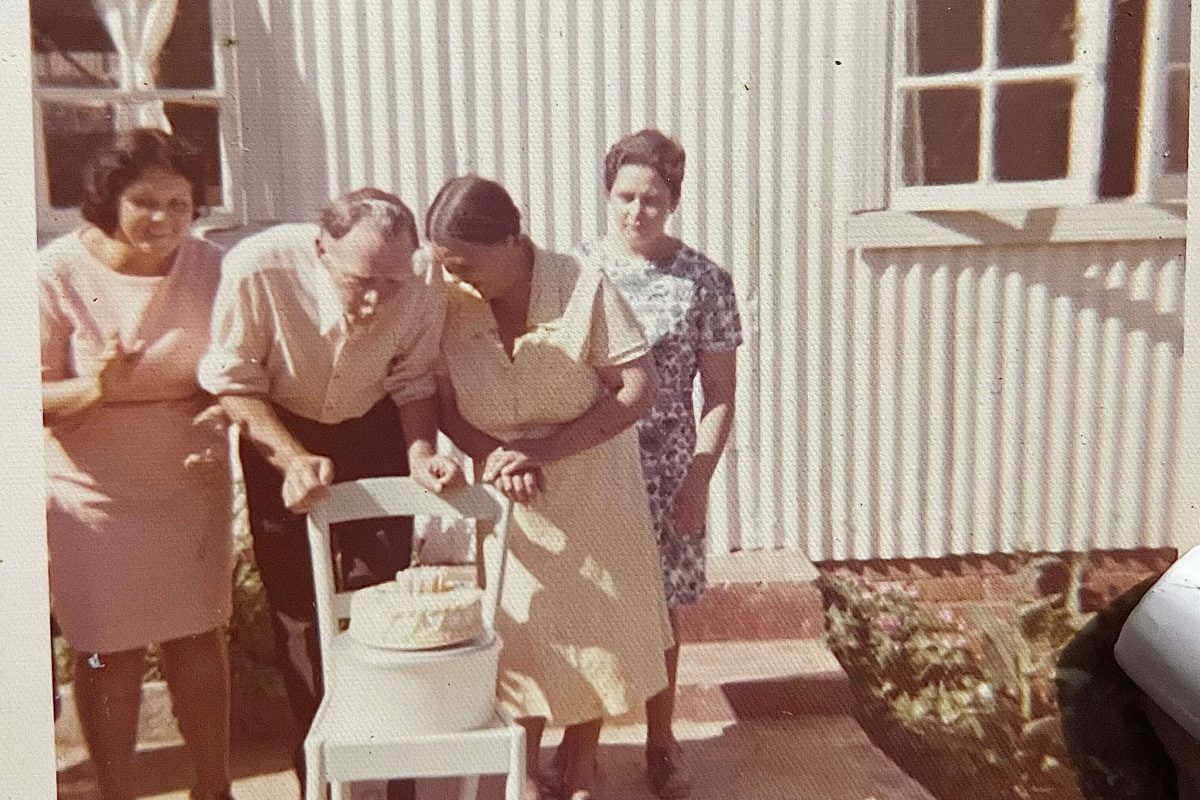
(995, 702)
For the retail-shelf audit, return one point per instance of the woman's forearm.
(66, 398)
(712, 433)
(718, 382)
(609, 416)
(466, 437)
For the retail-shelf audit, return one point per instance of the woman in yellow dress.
(545, 373)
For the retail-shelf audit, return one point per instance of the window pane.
(941, 137)
(1036, 32)
(70, 45)
(944, 36)
(71, 134)
(1177, 121)
(199, 125)
(1181, 30)
(186, 61)
(1123, 99)
(1033, 127)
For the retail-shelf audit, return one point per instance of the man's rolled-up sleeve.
(239, 341)
(411, 373)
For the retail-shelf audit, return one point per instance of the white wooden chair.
(345, 744)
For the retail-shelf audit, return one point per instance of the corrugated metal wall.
(905, 403)
(532, 92)
(1019, 398)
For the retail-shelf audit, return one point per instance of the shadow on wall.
(1075, 346)
(284, 173)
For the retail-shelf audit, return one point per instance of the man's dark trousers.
(369, 551)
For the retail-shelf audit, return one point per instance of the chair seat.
(362, 733)
(394, 714)
(356, 752)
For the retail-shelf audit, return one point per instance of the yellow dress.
(582, 616)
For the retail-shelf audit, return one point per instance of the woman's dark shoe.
(666, 776)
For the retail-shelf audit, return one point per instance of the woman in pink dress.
(138, 510)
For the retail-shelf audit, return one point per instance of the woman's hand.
(214, 422)
(691, 505)
(116, 367)
(516, 470)
(510, 459)
(521, 487)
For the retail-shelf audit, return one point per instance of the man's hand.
(305, 482)
(436, 473)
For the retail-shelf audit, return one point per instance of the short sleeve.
(55, 331)
(239, 341)
(720, 326)
(615, 336)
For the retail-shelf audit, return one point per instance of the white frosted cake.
(422, 609)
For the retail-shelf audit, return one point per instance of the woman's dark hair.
(128, 155)
(472, 209)
(647, 148)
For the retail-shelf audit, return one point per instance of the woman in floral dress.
(688, 311)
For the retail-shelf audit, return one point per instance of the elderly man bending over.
(323, 345)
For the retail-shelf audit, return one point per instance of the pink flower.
(889, 623)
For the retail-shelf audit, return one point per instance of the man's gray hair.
(381, 210)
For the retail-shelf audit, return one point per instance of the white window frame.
(54, 221)
(1085, 145)
(1154, 182)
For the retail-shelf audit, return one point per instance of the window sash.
(54, 221)
(1154, 183)
(1085, 138)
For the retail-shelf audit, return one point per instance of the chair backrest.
(372, 498)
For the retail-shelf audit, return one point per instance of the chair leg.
(314, 771)
(468, 787)
(514, 787)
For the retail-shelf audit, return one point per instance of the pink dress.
(140, 545)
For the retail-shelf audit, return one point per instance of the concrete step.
(709, 674)
(758, 719)
(754, 611)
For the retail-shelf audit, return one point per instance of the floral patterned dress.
(685, 306)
